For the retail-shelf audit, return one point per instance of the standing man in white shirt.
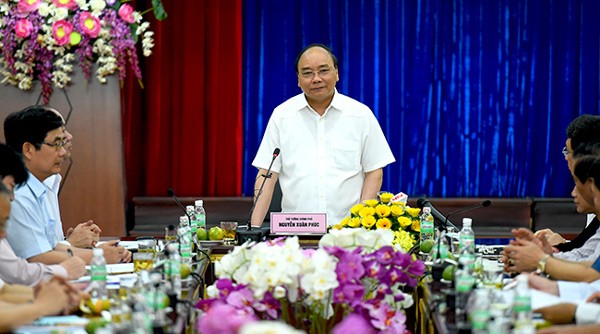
(332, 147)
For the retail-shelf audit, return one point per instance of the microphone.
(171, 193)
(267, 176)
(483, 204)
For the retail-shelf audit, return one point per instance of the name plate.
(298, 223)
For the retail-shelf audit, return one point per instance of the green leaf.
(159, 10)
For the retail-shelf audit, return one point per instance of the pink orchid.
(28, 6)
(71, 4)
(126, 13)
(23, 28)
(90, 24)
(61, 31)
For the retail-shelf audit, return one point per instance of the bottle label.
(426, 227)
(522, 304)
(464, 283)
(201, 218)
(98, 273)
(479, 319)
(444, 253)
(467, 241)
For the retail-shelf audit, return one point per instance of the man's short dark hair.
(12, 164)
(583, 129)
(323, 46)
(588, 167)
(30, 125)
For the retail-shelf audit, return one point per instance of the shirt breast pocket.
(346, 157)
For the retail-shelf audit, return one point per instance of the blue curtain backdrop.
(474, 96)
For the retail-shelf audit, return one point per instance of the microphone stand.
(258, 234)
(171, 193)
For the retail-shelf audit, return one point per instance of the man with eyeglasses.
(332, 147)
(581, 132)
(38, 133)
(85, 234)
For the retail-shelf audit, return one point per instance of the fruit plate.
(210, 242)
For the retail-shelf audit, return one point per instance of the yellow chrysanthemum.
(383, 210)
(368, 221)
(400, 204)
(404, 221)
(345, 221)
(366, 211)
(385, 197)
(356, 208)
(354, 222)
(416, 225)
(397, 210)
(371, 202)
(414, 212)
(384, 223)
(338, 226)
(404, 239)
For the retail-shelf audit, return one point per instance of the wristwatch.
(541, 266)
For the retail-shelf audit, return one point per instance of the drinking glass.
(146, 245)
(229, 232)
(142, 261)
(493, 273)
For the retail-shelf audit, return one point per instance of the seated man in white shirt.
(85, 234)
(38, 133)
(13, 269)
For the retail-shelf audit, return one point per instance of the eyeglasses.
(58, 144)
(565, 152)
(323, 73)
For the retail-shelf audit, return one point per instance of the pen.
(70, 252)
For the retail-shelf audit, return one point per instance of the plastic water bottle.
(440, 249)
(427, 232)
(522, 314)
(98, 275)
(191, 213)
(464, 282)
(467, 235)
(185, 239)
(175, 269)
(479, 310)
(200, 213)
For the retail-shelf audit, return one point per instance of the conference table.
(182, 322)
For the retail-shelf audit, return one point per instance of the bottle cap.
(189, 208)
(467, 222)
(199, 202)
(98, 252)
(426, 209)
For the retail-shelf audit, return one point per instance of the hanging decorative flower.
(41, 39)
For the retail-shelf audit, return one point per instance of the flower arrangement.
(389, 212)
(355, 279)
(41, 39)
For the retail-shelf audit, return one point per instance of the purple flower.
(373, 268)
(269, 305)
(386, 320)
(110, 2)
(223, 319)
(348, 293)
(225, 286)
(350, 266)
(385, 255)
(417, 268)
(241, 299)
(353, 324)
